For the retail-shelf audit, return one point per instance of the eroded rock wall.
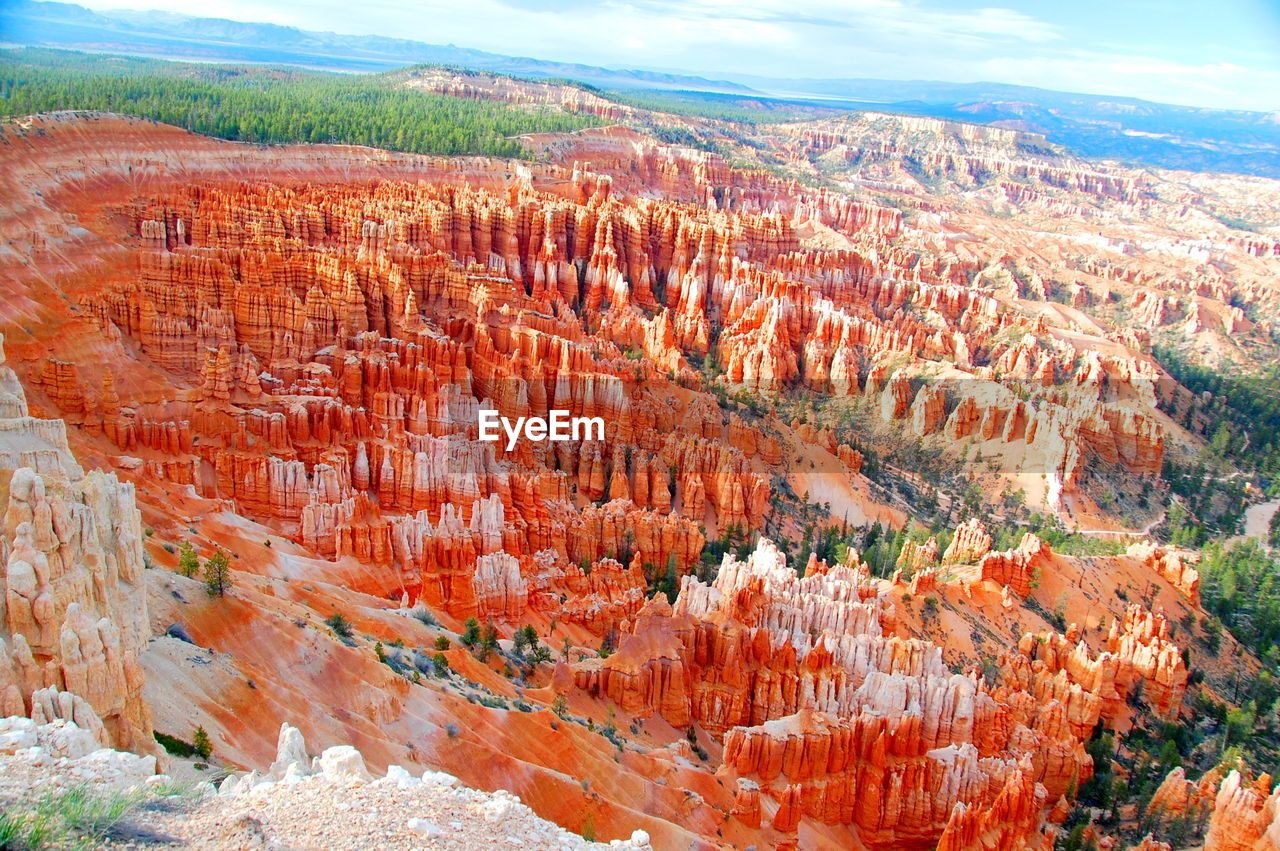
(74, 613)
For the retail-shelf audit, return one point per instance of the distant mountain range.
(1126, 129)
(173, 36)
(1098, 126)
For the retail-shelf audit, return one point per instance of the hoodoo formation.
(877, 551)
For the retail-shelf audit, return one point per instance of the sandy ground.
(1257, 519)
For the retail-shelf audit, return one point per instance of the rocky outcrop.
(1147, 655)
(823, 712)
(1172, 565)
(294, 804)
(1179, 798)
(915, 557)
(1007, 823)
(1246, 816)
(1149, 843)
(70, 757)
(1138, 655)
(971, 542)
(74, 613)
(1017, 569)
(967, 154)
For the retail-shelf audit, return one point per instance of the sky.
(1213, 53)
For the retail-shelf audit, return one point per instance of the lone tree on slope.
(217, 574)
(188, 560)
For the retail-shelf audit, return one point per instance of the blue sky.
(1219, 53)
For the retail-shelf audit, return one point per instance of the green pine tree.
(217, 574)
(188, 559)
(471, 633)
(201, 744)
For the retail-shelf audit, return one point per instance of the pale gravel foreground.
(329, 802)
(315, 812)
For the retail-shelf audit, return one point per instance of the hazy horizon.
(1146, 49)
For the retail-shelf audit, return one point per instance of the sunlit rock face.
(825, 711)
(74, 616)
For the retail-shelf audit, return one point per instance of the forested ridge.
(1238, 415)
(272, 105)
(723, 107)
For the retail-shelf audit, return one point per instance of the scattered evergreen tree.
(340, 625)
(201, 744)
(488, 642)
(526, 638)
(671, 580)
(188, 560)
(471, 633)
(1240, 584)
(540, 653)
(217, 574)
